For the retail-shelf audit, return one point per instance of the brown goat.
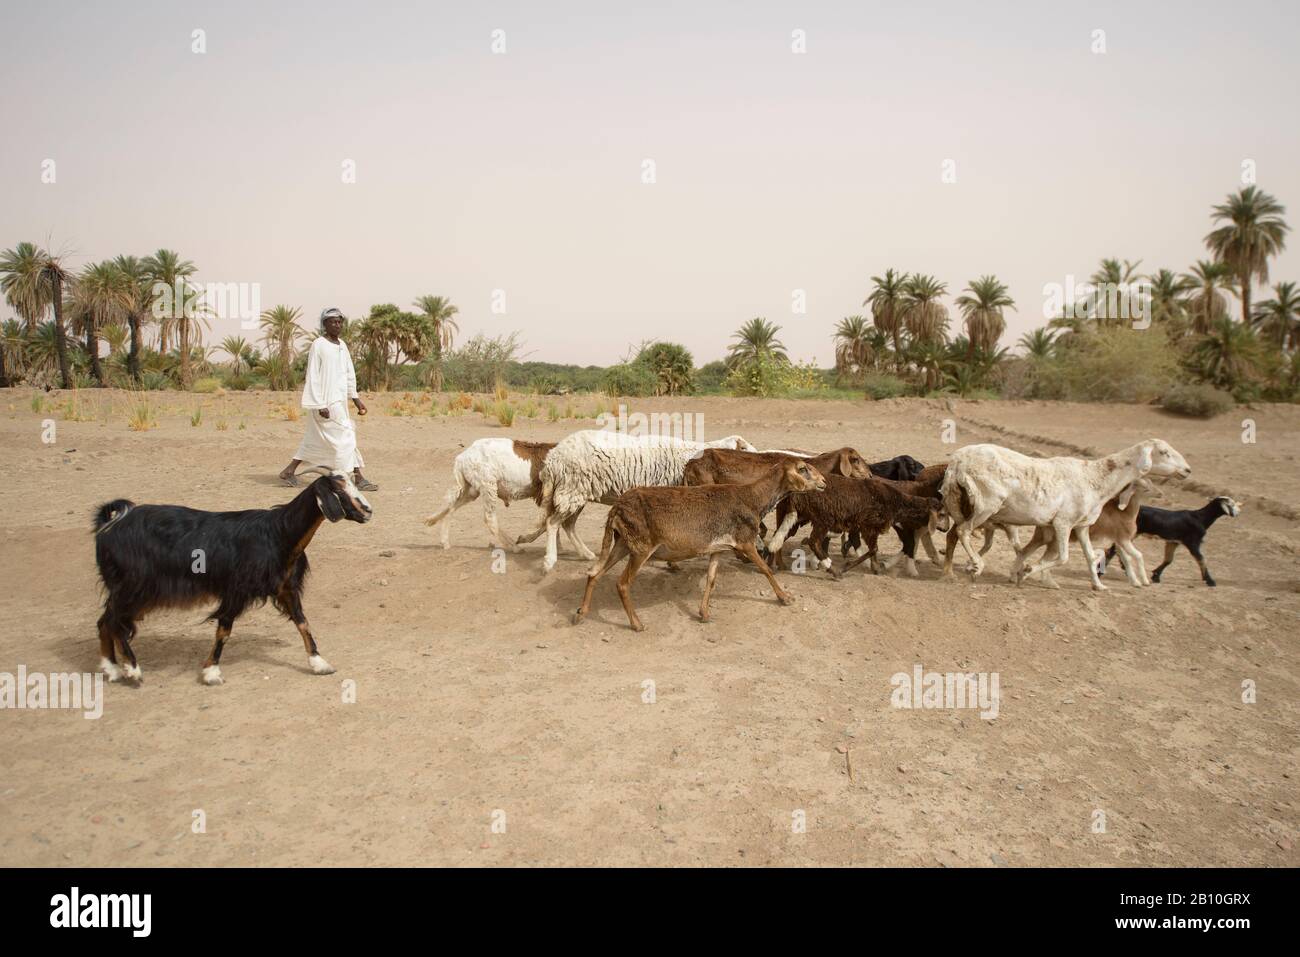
(1115, 524)
(734, 467)
(866, 506)
(680, 522)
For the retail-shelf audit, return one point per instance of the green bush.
(207, 385)
(883, 386)
(629, 378)
(1116, 364)
(1198, 400)
(238, 383)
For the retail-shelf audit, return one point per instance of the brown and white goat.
(680, 522)
(1117, 524)
(498, 471)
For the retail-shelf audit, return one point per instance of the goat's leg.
(126, 656)
(571, 534)
(212, 667)
(708, 584)
(291, 604)
(928, 544)
(1126, 562)
(553, 523)
(1062, 533)
(456, 498)
(950, 547)
(748, 551)
(1200, 560)
(625, 588)
(612, 551)
(818, 542)
(1042, 536)
(108, 629)
(1090, 556)
(1170, 548)
(1136, 556)
(779, 536)
(964, 536)
(490, 502)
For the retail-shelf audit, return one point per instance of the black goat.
(167, 556)
(901, 468)
(1186, 528)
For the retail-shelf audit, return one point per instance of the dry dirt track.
(476, 695)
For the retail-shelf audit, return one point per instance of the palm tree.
(1039, 343)
(43, 350)
(22, 280)
(281, 332)
(165, 268)
(137, 276)
(439, 311)
(1228, 356)
(238, 349)
(1253, 231)
(1205, 303)
(854, 351)
(1117, 276)
(924, 316)
(101, 295)
(930, 356)
(757, 340)
(55, 275)
(982, 313)
(1169, 298)
(13, 351)
(1278, 319)
(886, 302)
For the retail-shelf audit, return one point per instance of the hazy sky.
(522, 171)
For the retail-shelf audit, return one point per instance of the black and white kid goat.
(1186, 528)
(153, 557)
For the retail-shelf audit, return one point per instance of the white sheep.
(498, 471)
(1116, 525)
(597, 465)
(989, 483)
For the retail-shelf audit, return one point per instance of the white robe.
(331, 381)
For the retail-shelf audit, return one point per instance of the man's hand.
(361, 406)
(324, 413)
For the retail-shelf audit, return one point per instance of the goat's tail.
(110, 512)
(453, 496)
(956, 497)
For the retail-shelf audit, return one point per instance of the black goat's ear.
(328, 500)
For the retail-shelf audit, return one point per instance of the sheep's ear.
(328, 500)
(1144, 459)
(845, 467)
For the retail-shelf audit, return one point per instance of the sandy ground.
(477, 701)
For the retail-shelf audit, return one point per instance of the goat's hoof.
(1097, 587)
(785, 599)
(111, 671)
(320, 666)
(133, 672)
(212, 675)
(638, 627)
(576, 617)
(1211, 583)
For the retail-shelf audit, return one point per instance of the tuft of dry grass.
(196, 417)
(504, 412)
(141, 416)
